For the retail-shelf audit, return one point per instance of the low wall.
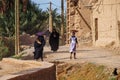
(46, 72)
(38, 74)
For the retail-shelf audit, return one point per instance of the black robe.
(39, 47)
(54, 41)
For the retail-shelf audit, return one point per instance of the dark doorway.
(119, 30)
(96, 29)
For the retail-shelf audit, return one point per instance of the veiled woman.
(38, 46)
(54, 40)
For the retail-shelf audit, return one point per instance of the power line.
(56, 5)
(53, 4)
(41, 3)
(49, 3)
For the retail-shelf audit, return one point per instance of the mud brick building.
(106, 22)
(78, 18)
(100, 17)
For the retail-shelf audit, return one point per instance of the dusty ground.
(91, 63)
(84, 55)
(86, 71)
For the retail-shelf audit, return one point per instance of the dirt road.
(84, 54)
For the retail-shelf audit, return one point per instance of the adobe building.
(101, 17)
(78, 18)
(106, 22)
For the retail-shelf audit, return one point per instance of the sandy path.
(84, 54)
(92, 55)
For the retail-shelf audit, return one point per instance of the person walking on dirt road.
(73, 43)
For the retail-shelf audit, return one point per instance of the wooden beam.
(16, 26)
(50, 18)
(83, 18)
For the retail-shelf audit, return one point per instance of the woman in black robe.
(54, 40)
(38, 46)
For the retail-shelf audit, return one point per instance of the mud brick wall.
(38, 74)
(75, 21)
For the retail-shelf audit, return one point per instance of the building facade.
(101, 17)
(78, 18)
(106, 22)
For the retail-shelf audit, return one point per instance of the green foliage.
(7, 47)
(19, 56)
(10, 42)
(7, 24)
(7, 19)
(56, 20)
(113, 79)
(3, 50)
(32, 20)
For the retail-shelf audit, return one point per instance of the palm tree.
(56, 20)
(34, 21)
(7, 16)
(32, 18)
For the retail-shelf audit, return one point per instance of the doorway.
(96, 29)
(119, 31)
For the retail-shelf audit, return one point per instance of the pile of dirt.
(86, 71)
(27, 39)
(114, 49)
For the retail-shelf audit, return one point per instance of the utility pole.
(50, 18)
(62, 19)
(16, 26)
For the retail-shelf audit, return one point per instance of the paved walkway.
(92, 55)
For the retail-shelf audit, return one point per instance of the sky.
(44, 4)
